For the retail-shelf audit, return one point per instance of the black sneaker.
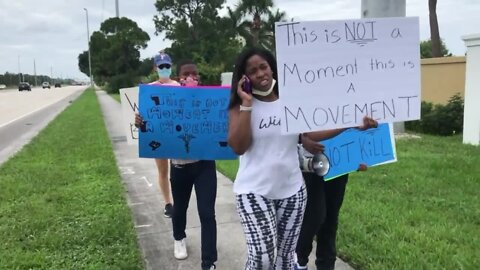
(211, 267)
(168, 212)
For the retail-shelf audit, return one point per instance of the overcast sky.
(54, 32)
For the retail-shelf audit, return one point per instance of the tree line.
(12, 79)
(197, 32)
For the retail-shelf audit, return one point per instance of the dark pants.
(324, 200)
(202, 175)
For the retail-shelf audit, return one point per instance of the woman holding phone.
(269, 188)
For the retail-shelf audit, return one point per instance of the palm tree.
(434, 32)
(240, 25)
(256, 8)
(258, 32)
(269, 26)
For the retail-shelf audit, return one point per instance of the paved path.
(153, 230)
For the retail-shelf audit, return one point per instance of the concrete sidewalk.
(154, 231)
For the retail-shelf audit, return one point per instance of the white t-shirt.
(174, 161)
(270, 167)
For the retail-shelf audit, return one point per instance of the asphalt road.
(24, 114)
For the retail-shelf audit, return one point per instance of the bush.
(117, 82)
(416, 126)
(444, 120)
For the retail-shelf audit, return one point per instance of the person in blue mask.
(163, 66)
(188, 174)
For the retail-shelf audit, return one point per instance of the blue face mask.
(164, 73)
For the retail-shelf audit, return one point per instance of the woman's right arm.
(239, 129)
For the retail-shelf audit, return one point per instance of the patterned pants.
(271, 229)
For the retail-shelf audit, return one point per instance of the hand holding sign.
(368, 123)
(311, 145)
(138, 120)
(184, 122)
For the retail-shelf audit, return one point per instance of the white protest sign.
(333, 73)
(129, 100)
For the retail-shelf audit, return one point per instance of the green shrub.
(117, 82)
(444, 120)
(416, 126)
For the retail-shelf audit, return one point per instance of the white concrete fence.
(471, 117)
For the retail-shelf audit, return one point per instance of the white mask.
(264, 93)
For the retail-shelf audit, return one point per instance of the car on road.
(45, 85)
(24, 86)
(58, 85)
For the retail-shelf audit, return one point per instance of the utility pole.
(35, 72)
(89, 54)
(385, 8)
(51, 75)
(19, 72)
(117, 12)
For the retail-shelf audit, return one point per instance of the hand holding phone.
(244, 91)
(247, 86)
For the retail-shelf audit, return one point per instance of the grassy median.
(419, 213)
(62, 204)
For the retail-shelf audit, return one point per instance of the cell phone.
(247, 86)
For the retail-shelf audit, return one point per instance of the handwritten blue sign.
(184, 122)
(350, 148)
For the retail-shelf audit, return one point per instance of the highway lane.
(15, 104)
(24, 114)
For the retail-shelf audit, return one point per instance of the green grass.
(422, 212)
(228, 168)
(115, 96)
(62, 204)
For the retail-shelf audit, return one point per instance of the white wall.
(226, 78)
(471, 118)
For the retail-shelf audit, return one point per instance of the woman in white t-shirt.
(269, 188)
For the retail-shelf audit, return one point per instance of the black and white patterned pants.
(271, 228)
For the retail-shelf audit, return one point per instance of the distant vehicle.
(24, 86)
(3, 86)
(45, 85)
(58, 85)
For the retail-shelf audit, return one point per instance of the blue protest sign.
(350, 148)
(184, 122)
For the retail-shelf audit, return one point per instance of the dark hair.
(239, 71)
(182, 63)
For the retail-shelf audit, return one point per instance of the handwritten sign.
(129, 101)
(347, 150)
(184, 122)
(332, 73)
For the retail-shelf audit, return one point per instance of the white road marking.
(146, 180)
